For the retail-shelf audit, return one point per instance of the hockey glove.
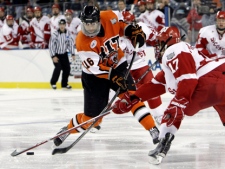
(175, 111)
(117, 79)
(125, 104)
(135, 34)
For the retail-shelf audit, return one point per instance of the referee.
(61, 41)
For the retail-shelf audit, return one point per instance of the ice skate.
(157, 155)
(154, 132)
(59, 140)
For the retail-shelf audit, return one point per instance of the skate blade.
(155, 159)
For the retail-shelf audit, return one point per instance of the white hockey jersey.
(182, 62)
(127, 47)
(9, 37)
(25, 34)
(73, 27)
(1, 23)
(40, 28)
(155, 19)
(210, 41)
(54, 22)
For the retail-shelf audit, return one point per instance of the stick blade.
(60, 150)
(14, 153)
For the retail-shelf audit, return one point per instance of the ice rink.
(31, 116)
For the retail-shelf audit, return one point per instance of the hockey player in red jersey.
(211, 38)
(104, 67)
(196, 83)
(39, 30)
(9, 34)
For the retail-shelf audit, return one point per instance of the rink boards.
(33, 69)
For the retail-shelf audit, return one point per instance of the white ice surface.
(28, 117)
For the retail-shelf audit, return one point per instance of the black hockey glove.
(135, 34)
(117, 80)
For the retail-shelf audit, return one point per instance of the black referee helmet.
(62, 21)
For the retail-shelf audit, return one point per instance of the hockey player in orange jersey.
(104, 66)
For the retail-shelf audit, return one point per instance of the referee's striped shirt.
(60, 43)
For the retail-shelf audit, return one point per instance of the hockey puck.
(30, 153)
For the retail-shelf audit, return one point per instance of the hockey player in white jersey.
(140, 65)
(25, 27)
(152, 17)
(196, 82)
(39, 30)
(211, 39)
(56, 17)
(72, 23)
(9, 34)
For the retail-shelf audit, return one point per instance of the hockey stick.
(15, 152)
(106, 109)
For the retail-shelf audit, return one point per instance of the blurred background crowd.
(188, 15)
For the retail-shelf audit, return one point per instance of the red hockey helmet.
(220, 15)
(128, 17)
(37, 8)
(169, 35)
(150, 1)
(2, 9)
(141, 2)
(56, 6)
(9, 17)
(29, 9)
(69, 11)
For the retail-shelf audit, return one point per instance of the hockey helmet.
(56, 6)
(29, 9)
(169, 35)
(128, 17)
(68, 12)
(90, 17)
(9, 17)
(37, 8)
(150, 1)
(2, 9)
(220, 15)
(90, 14)
(62, 21)
(141, 2)
(220, 24)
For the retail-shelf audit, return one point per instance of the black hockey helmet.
(90, 14)
(62, 21)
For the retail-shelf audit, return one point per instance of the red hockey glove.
(175, 111)
(135, 34)
(125, 104)
(32, 46)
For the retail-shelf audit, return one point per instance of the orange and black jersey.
(102, 52)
